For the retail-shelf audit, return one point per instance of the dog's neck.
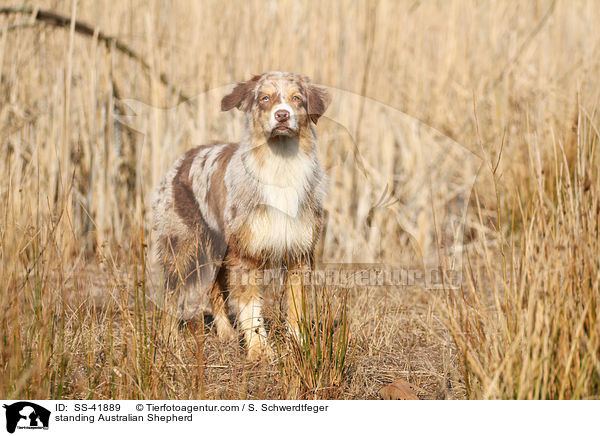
(279, 145)
(285, 161)
(284, 146)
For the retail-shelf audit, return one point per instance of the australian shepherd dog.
(248, 206)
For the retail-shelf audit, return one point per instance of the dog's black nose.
(282, 115)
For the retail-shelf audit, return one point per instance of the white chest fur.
(274, 232)
(282, 177)
(281, 225)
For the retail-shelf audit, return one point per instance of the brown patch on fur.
(241, 96)
(217, 193)
(184, 201)
(235, 258)
(317, 101)
(238, 245)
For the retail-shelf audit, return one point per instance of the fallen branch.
(62, 21)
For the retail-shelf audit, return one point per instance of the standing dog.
(246, 206)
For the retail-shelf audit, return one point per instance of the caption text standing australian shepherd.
(246, 206)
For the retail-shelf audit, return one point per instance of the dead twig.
(62, 21)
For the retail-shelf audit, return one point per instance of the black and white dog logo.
(26, 415)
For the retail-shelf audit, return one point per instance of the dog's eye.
(296, 98)
(264, 98)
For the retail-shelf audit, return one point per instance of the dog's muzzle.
(283, 121)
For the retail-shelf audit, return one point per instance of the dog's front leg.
(297, 280)
(246, 301)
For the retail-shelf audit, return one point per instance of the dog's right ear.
(241, 96)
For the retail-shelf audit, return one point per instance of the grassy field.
(462, 135)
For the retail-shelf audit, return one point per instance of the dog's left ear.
(241, 96)
(317, 101)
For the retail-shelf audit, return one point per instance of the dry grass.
(535, 333)
(88, 132)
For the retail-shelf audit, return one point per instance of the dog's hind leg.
(218, 293)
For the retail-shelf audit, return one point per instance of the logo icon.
(26, 415)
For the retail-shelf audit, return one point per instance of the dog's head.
(278, 103)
